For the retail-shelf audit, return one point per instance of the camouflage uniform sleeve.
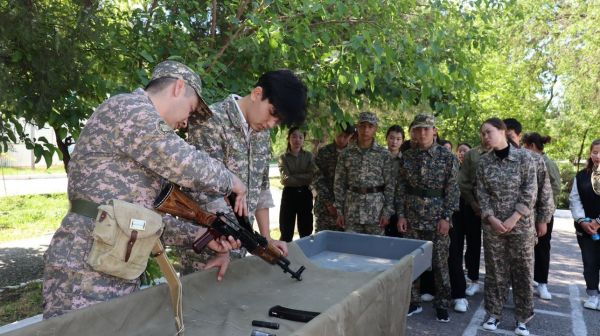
(452, 192)
(178, 232)
(466, 176)
(483, 197)
(544, 206)
(320, 181)
(399, 194)
(145, 137)
(340, 183)
(528, 189)
(265, 198)
(389, 189)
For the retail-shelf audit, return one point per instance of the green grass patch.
(56, 169)
(29, 216)
(17, 304)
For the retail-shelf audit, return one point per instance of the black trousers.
(458, 284)
(541, 265)
(296, 202)
(472, 232)
(590, 255)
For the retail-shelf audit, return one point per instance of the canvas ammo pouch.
(124, 235)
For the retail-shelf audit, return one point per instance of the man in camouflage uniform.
(126, 149)
(363, 186)
(326, 160)
(427, 195)
(237, 134)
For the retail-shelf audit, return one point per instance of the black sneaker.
(414, 309)
(442, 315)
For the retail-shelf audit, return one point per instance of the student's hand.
(384, 221)
(331, 210)
(220, 261)
(240, 191)
(340, 222)
(511, 222)
(496, 224)
(590, 227)
(280, 245)
(541, 229)
(476, 209)
(443, 226)
(401, 224)
(224, 244)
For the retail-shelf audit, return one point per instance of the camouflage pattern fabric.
(439, 265)
(508, 257)
(124, 152)
(325, 160)
(595, 178)
(505, 186)
(223, 137)
(544, 205)
(433, 169)
(363, 168)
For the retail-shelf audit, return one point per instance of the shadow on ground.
(19, 265)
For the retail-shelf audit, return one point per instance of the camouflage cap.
(173, 69)
(423, 120)
(369, 117)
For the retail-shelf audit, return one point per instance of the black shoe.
(414, 309)
(442, 315)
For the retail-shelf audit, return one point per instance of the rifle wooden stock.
(174, 201)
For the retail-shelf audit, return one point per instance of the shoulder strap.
(174, 285)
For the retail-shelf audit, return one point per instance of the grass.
(56, 169)
(29, 216)
(275, 182)
(20, 303)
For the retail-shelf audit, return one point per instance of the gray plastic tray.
(355, 252)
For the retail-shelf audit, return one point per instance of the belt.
(415, 191)
(84, 208)
(367, 190)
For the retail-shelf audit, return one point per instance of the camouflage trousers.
(191, 261)
(366, 229)
(439, 265)
(66, 290)
(324, 221)
(508, 259)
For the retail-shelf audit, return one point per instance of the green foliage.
(20, 303)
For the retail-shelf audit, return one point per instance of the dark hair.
(513, 124)
(287, 93)
(536, 139)
(499, 124)
(442, 142)
(590, 163)
(290, 132)
(464, 144)
(405, 146)
(395, 128)
(346, 128)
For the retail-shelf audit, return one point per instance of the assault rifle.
(174, 201)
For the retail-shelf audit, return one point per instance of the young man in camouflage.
(126, 149)
(426, 197)
(363, 186)
(326, 160)
(237, 134)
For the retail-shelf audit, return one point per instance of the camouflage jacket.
(508, 185)
(433, 169)
(544, 204)
(124, 152)
(223, 137)
(554, 174)
(362, 168)
(325, 160)
(467, 176)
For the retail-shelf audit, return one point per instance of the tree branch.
(213, 24)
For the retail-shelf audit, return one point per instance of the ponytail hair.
(536, 139)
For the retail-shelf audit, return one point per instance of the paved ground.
(563, 315)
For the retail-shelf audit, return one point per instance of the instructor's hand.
(240, 191)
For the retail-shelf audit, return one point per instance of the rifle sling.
(292, 314)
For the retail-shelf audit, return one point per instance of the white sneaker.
(472, 289)
(521, 329)
(542, 289)
(535, 284)
(461, 305)
(491, 324)
(591, 302)
(427, 297)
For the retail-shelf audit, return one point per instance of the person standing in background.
(296, 168)
(535, 143)
(394, 137)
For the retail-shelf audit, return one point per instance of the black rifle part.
(292, 314)
(265, 324)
